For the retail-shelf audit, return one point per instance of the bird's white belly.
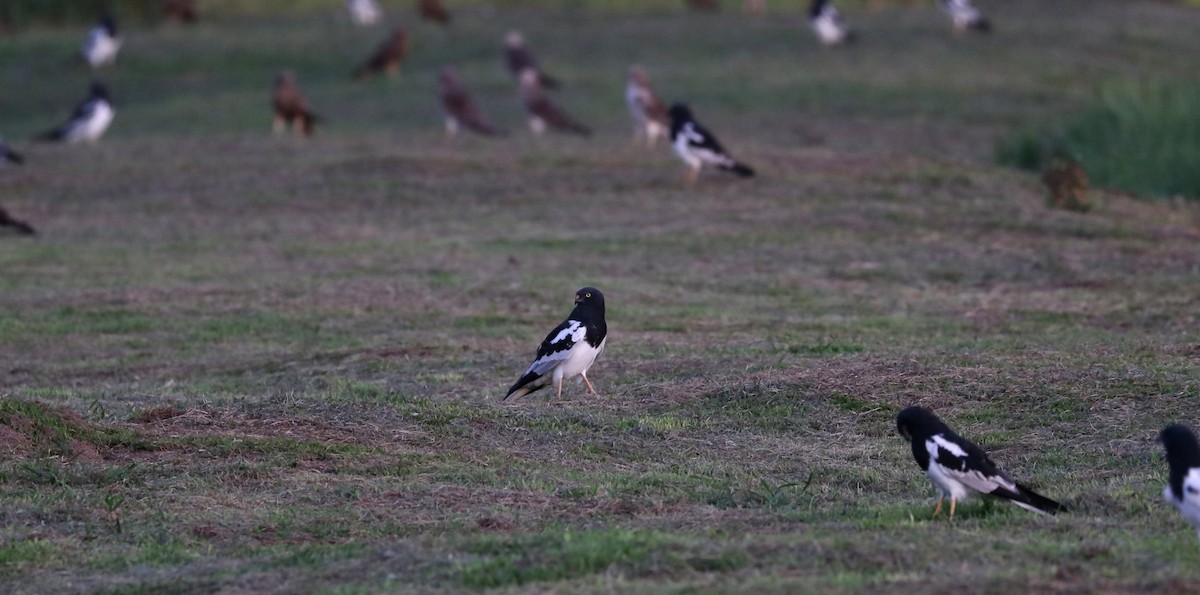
(94, 127)
(828, 31)
(581, 357)
(686, 154)
(1190, 508)
(950, 487)
(101, 49)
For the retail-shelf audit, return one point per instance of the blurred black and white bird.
(569, 350)
(21, 227)
(650, 118)
(965, 16)
(826, 21)
(460, 108)
(1183, 460)
(102, 42)
(518, 58)
(364, 13)
(543, 113)
(88, 122)
(957, 467)
(697, 147)
(7, 155)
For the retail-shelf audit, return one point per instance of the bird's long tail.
(17, 224)
(982, 25)
(1031, 500)
(11, 156)
(740, 169)
(523, 386)
(50, 135)
(548, 81)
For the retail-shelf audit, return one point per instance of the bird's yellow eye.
(587, 295)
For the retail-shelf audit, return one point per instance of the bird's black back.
(919, 425)
(681, 116)
(1183, 455)
(109, 23)
(817, 6)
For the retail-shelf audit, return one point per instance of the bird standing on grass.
(7, 155)
(544, 113)
(364, 13)
(957, 467)
(698, 147)
(650, 118)
(291, 108)
(88, 122)
(101, 44)
(1183, 459)
(22, 227)
(826, 21)
(461, 111)
(434, 11)
(569, 350)
(966, 16)
(519, 59)
(387, 57)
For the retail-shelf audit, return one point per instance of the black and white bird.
(518, 58)
(88, 122)
(965, 16)
(569, 350)
(1183, 459)
(957, 467)
(826, 21)
(697, 147)
(650, 119)
(7, 155)
(364, 13)
(102, 42)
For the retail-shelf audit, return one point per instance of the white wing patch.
(938, 441)
(564, 342)
(971, 478)
(691, 135)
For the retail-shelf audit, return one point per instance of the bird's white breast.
(92, 127)
(828, 29)
(100, 48)
(1190, 504)
(948, 485)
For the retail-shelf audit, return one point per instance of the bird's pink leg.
(589, 384)
(938, 510)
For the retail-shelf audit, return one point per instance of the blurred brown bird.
(434, 11)
(1067, 184)
(461, 110)
(180, 11)
(704, 5)
(291, 108)
(387, 56)
(542, 112)
(22, 227)
(756, 8)
(650, 118)
(519, 58)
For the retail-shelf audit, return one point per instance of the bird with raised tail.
(543, 113)
(698, 147)
(519, 58)
(88, 122)
(1183, 462)
(569, 350)
(291, 107)
(650, 117)
(965, 16)
(388, 56)
(364, 13)
(959, 468)
(460, 108)
(102, 42)
(827, 22)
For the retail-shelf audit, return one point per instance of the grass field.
(242, 363)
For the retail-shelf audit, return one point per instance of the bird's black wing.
(700, 138)
(966, 463)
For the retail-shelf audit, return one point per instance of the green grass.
(237, 362)
(1140, 137)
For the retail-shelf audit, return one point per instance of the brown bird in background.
(387, 56)
(704, 5)
(22, 227)
(756, 8)
(291, 108)
(461, 110)
(434, 11)
(650, 118)
(1067, 184)
(542, 112)
(519, 59)
(180, 11)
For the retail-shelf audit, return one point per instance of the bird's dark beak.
(578, 298)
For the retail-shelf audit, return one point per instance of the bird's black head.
(1181, 446)
(99, 90)
(918, 423)
(680, 112)
(817, 6)
(590, 296)
(109, 23)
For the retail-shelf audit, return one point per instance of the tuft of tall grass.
(1140, 137)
